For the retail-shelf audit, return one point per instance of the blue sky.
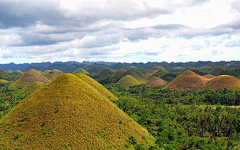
(119, 30)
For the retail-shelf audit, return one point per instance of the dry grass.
(32, 87)
(155, 81)
(224, 81)
(68, 114)
(188, 80)
(28, 77)
(46, 72)
(3, 81)
(209, 76)
(128, 81)
(99, 87)
(80, 70)
(3, 73)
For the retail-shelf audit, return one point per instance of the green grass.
(128, 81)
(42, 121)
(106, 72)
(80, 70)
(137, 75)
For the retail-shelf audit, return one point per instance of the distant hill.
(153, 70)
(128, 81)
(69, 114)
(137, 75)
(80, 70)
(159, 73)
(18, 71)
(188, 80)
(46, 72)
(100, 88)
(209, 76)
(217, 71)
(3, 73)
(28, 77)
(155, 81)
(224, 81)
(53, 74)
(132, 68)
(119, 73)
(107, 71)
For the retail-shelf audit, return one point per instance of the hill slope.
(119, 73)
(153, 70)
(53, 74)
(159, 73)
(155, 81)
(28, 77)
(106, 72)
(68, 114)
(99, 87)
(209, 76)
(188, 80)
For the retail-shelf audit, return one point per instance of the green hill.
(128, 81)
(46, 72)
(217, 71)
(69, 114)
(137, 75)
(53, 74)
(9, 71)
(159, 73)
(119, 73)
(132, 68)
(99, 87)
(106, 72)
(153, 70)
(18, 71)
(80, 70)
(28, 77)
(3, 73)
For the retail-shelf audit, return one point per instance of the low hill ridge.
(69, 114)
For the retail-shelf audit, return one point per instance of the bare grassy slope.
(68, 113)
(128, 81)
(224, 81)
(155, 81)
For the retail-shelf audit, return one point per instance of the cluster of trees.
(174, 124)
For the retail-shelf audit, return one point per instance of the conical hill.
(80, 70)
(99, 87)
(53, 74)
(28, 77)
(153, 70)
(68, 114)
(3, 73)
(209, 76)
(107, 71)
(128, 81)
(188, 80)
(119, 73)
(137, 75)
(224, 81)
(155, 81)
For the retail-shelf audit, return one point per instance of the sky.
(119, 30)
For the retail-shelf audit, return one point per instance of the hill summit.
(155, 81)
(69, 113)
(28, 77)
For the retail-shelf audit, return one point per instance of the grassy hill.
(28, 77)
(128, 81)
(3, 73)
(153, 70)
(32, 87)
(46, 72)
(53, 74)
(209, 76)
(18, 71)
(119, 73)
(155, 81)
(224, 81)
(159, 73)
(69, 114)
(80, 70)
(217, 71)
(188, 80)
(137, 75)
(3, 81)
(100, 88)
(132, 68)
(106, 72)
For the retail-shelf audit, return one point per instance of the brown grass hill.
(80, 70)
(153, 70)
(155, 81)
(46, 72)
(188, 80)
(128, 81)
(3, 73)
(137, 75)
(28, 77)
(32, 87)
(53, 74)
(18, 71)
(107, 71)
(224, 81)
(119, 73)
(159, 73)
(99, 87)
(68, 113)
(3, 81)
(217, 71)
(209, 76)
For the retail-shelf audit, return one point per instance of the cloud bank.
(113, 30)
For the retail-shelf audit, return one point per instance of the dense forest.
(178, 119)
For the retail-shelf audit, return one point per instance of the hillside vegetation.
(70, 114)
(128, 81)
